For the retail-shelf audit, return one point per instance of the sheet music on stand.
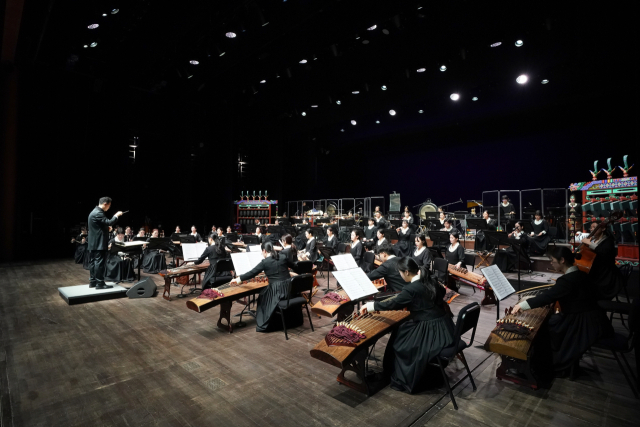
(192, 251)
(500, 285)
(344, 262)
(355, 283)
(254, 248)
(245, 261)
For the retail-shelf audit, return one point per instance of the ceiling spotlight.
(353, 122)
(263, 81)
(341, 130)
(114, 11)
(86, 45)
(355, 92)
(93, 26)
(421, 70)
(222, 53)
(443, 68)
(94, 44)
(383, 87)
(104, 14)
(304, 61)
(194, 62)
(454, 96)
(475, 98)
(522, 79)
(266, 23)
(545, 81)
(519, 43)
(392, 112)
(304, 114)
(420, 111)
(378, 121)
(314, 106)
(496, 44)
(385, 32)
(191, 75)
(231, 35)
(373, 27)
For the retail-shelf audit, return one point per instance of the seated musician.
(507, 259)
(582, 322)
(388, 270)
(214, 230)
(141, 233)
(408, 215)
(194, 233)
(276, 268)
(257, 223)
(506, 208)
(153, 260)
(174, 235)
(82, 255)
(482, 243)
(260, 236)
(539, 238)
(128, 234)
(421, 254)
(454, 254)
(427, 332)
(229, 230)
(370, 233)
(381, 239)
(448, 225)
(604, 273)
(332, 240)
(403, 247)
(214, 252)
(310, 252)
(119, 267)
(381, 223)
(288, 248)
(357, 249)
(442, 218)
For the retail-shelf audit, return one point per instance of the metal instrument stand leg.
(328, 288)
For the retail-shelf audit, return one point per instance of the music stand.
(232, 237)
(139, 239)
(438, 236)
(275, 229)
(115, 249)
(248, 239)
(346, 223)
(526, 226)
(160, 243)
(327, 252)
(318, 232)
(502, 238)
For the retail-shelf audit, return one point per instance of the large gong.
(426, 208)
(331, 209)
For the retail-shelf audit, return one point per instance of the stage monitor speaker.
(145, 288)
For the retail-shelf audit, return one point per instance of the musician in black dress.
(98, 240)
(403, 247)
(455, 251)
(128, 234)
(582, 323)
(381, 223)
(276, 268)
(153, 260)
(448, 225)
(370, 233)
(81, 247)
(441, 218)
(381, 240)
(539, 238)
(261, 237)
(507, 259)
(421, 254)
(421, 338)
(214, 252)
(175, 235)
(194, 233)
(482, 243)
(310, 251)
(119, 267)
(332, 240)
(408, 215)
(388, 269)
(357, 249)
(604, 273)
(507, 210)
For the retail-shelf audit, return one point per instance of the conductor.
(99, 227)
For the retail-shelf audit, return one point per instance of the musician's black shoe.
(104, 287)
(92, 285)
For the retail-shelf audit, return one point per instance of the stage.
(150, 362)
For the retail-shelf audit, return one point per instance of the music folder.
(500, 285)
(244, 262)
(193, 251)
(352, 279)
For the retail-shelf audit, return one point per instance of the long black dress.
(423, 257)
(119, 268)
(482, 243)
(538, 244)
(581, 322)
(403, 247)
(604, 274)
(357, 250)
(277, 271)
(505, 211)
(452, 257)
(419, 339)
(508, 258)
(153, 261)
(213, 278)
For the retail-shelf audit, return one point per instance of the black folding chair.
(298, 285)
(619, 307)
(467, 320)
(342, 248)
(367, 261)
(441, 268)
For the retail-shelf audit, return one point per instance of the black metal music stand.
(327, 253)
(502, 238)
(249, 239)
(437, 237)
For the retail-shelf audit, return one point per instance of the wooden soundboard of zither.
(511, 344)
(330, 310)
(340, 356)
(185, 270)
(475, 278)
(230, 294)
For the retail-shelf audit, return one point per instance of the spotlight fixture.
(421, 70)
(231, 35)
(94, 44)
(392, 112)
(355, 92)
(194, 62)
(385, 32)
(373, 27)
(114, 11)
(383, 87)
(304, 114)
(341, 130)
(545, 81)
(263, 81)
(93, 26)
(496, 44)
(338, 102)
(475, 98)
(86, 45)
(304, 61)
(353, 122)
(522, 79)
(378, 121)
(519, 43)
(222, 53)
(443, 68)
(104, 14)
(266, 23)
(314, 106)
(420, 111)
(454, 96)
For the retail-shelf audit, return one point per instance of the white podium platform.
(83, 293)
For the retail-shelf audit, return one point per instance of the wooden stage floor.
(150, 362)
